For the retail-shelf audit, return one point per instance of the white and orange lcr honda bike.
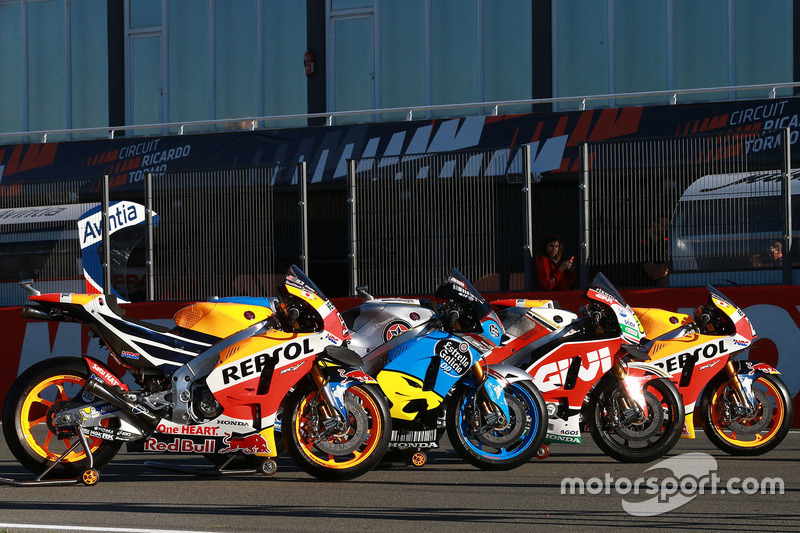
(214, 385)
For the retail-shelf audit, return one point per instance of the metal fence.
(223, 233)
(39, 237)
(711, 209)
(708, 208)
(414, 218)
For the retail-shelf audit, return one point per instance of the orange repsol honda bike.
(213, 385)
(744, 406)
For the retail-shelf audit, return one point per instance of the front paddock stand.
(88, 477)
(268, 467)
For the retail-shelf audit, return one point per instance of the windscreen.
(457, 287)
(297, 278)
(602, 283)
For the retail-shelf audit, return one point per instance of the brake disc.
(513, 430)
(353, 437)
(757, 423)
(648, 428)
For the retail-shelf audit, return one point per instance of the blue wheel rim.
(518, 446)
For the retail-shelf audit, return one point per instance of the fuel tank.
(222, 318)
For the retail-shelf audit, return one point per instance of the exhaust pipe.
(147, 420)
(29, 311)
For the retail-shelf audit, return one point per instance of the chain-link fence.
(223, 233)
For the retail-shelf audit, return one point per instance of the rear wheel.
(25, 419)
(344, 455)
(503, 447)
(641, 441)
(747, 435)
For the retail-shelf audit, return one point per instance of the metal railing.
(410, 112)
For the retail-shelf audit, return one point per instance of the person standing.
(553, 273)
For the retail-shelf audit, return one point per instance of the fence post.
(786, 192)
(351, 226)
(148, 217)
(302, 175)
(527, 249)
(584, 214)
(105, 206)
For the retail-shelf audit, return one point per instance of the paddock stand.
(268, 467)
(89, 477)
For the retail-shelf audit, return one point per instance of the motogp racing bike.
(744, 406)
(213, 385)
(584, 366)
(431, 364)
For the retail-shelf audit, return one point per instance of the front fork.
(744, 402)
(334, 419)
(633, 406)
(491, 408)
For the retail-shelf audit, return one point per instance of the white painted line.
(63, 527)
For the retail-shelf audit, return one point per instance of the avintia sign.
(120, 215)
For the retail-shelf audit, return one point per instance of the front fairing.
(744, 328)
(481, 317)
(603, 291)
(260, 370)
(298, 285)
(492, 328)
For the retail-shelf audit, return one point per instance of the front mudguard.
(499, 377)
(748, 371)
(753, 368)
(339, 379)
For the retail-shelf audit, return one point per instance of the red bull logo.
(248, 444)
(357, 375)
(760, 367)
(179, 445)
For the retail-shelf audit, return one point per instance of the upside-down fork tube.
(480, 377)
(629, 399)
(322, 385)
(740, 396)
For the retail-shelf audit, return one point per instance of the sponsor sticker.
(455, 356)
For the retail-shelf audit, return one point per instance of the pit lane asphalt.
(445, 495)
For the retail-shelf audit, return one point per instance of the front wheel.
(344, 455)
(25, 413)
(502, 447)
(640, 441)
(747, 435)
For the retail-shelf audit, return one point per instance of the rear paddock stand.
(88, 477)
(268, 467)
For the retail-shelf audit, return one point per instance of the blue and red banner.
(553, 137)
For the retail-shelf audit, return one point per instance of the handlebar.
(709, 319)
